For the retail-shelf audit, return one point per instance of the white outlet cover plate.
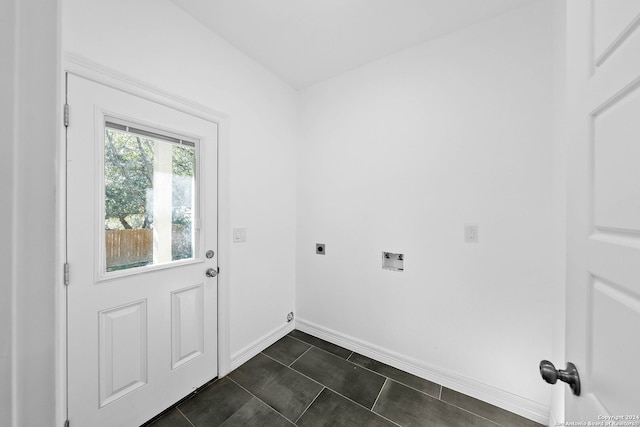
(239, 234)
(471, 233)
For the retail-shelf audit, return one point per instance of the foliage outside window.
(130, 170)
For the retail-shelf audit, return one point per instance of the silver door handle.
(570, 375)
(212, 272)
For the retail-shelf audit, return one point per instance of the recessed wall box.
(320, 248)
(393, 262)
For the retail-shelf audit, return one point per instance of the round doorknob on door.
(570, 375)
(212, 272)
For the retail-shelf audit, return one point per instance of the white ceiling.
(307, 41)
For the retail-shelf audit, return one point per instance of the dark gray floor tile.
(409, 407)
(256, 414)
(325, 345)
(269, 393)
(346, 378)
(332, 410)
(171, 418)
(282, 388)
(486, 410)
(215, 404)
(286, 350)
(403, 377)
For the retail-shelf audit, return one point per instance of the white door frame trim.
(85, 68)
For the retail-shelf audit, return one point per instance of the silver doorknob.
(570, 375)
(212, 272)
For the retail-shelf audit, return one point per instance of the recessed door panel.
(612, 351)
(616, 175)
(187, 325)
(614, 22)
(123, 351)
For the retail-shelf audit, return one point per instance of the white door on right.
(603, 298)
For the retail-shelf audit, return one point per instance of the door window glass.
(149, 197)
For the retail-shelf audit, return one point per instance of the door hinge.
(66, 115)
(66, 423)
(66, 274)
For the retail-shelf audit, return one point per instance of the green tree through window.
(129, 180)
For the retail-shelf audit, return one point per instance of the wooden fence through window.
(125, 247)
(135, 247)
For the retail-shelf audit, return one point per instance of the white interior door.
(142, 232)
(603, 299)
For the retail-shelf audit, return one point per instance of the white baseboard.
(244, 355)
(485, 392)
(553, 422)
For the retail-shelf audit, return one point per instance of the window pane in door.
(149, 189)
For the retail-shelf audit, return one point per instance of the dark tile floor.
(305, 381)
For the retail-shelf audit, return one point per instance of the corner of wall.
(251, 350)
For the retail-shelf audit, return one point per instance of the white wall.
(7, 97)
(398, 156)
(158, 43)
(560, 114)
(28, 106)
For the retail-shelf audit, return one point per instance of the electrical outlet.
(393, 262)
(471, 233)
